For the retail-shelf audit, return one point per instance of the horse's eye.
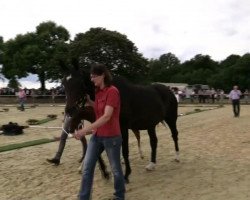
(68, 77)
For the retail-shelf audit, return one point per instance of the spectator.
(246, 96)
(222, 95)
(234, 95)
(213, 95)
(176, 93)
(21, 98)
(53, 95)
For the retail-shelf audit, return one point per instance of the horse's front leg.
(153, 143)
(125, 153)
(62, 143)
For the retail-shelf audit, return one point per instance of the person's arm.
(108, 111)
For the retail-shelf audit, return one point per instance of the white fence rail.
(36, 99)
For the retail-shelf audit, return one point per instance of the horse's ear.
(75, 63)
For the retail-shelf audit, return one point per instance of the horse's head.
(76, 85)
(75, 90)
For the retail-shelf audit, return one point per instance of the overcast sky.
(185, 28)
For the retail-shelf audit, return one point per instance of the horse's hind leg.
(174, 131)
(137, 135)
(153, 144)
(103, 168)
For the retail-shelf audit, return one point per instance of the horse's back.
(142, 106)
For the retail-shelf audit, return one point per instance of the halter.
(69, 134)
(81, 102)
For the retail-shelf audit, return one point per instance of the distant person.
(176, 94)
(213, 95)
(181, 95)
(33, 94)
(246, 96)
(222, 95)
(234, 96)
(22, 98)
(53, 95)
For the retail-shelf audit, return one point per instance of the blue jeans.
(112, 146)
(236, 107)
(21, 102)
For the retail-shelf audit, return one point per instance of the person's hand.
(79, 134)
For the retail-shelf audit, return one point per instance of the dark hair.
(100, 69)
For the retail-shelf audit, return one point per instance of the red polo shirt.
(108, 96)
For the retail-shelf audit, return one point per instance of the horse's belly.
(144, 124)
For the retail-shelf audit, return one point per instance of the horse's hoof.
(54, 161)
(81, 159)
(177, 160)
(126, 180)
(151, 166)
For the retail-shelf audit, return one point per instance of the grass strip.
(25, 144)
(197, 110)
(37, 122)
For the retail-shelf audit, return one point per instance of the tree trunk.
(42, 81)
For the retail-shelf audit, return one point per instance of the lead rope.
(69, 134)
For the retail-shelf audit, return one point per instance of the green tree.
(1, 58)
(198, 69)
(35, 53)
(13, 83)
(162, 69)
(169, 60)
(222, 79)
(111, 48)
(1, 50)
(15, 58)
(229, 61)
(240, 72)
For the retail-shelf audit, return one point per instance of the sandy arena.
(214, 153)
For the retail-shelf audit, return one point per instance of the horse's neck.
(88, 114)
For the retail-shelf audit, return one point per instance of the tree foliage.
(162, 69)
(201, 69)
(1, 50)
(44, 52)
(34, 52)
(111, 48)
(14, 83)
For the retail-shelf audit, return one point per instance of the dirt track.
(215, 161)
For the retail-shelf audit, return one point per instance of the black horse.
(142, 108)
